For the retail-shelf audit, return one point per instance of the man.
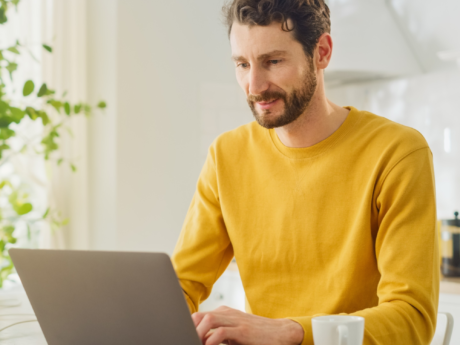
(327, 210)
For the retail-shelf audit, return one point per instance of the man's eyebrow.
(261, 57)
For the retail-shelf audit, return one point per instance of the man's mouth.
(268, 105)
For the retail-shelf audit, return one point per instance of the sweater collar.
(307, 152)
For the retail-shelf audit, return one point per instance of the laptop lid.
(105, 298)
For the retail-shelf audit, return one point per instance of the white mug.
(338, 330)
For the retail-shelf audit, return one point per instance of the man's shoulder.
(389, 135)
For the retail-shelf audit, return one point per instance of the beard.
(295, 103)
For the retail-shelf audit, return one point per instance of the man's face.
(278, 78)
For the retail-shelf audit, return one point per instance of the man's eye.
(242, 65)
(275, 62)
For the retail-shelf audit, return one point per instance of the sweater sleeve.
(407, 254)
(203, 250)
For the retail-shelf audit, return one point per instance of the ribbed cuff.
(305, 322)
(190, 304)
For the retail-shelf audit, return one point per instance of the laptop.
(105, 298)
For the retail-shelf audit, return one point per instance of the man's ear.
(323, 51)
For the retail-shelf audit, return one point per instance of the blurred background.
(163, 69)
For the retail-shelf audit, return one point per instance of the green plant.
(40, 105)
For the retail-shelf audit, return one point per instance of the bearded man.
(327, 210)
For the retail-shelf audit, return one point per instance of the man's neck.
(319, 121)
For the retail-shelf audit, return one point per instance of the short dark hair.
(310, 18)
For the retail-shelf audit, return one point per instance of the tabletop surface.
(15, 307)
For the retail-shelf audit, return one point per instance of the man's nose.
(258, 82)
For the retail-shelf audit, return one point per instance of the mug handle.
(343, 335)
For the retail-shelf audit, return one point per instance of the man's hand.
(233, 327)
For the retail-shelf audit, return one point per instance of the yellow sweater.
(344, 226)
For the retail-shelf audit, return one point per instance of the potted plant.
(50, 113)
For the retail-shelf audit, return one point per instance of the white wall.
(430, 26)
(164, 67)
(102, 128)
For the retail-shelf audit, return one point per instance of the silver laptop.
(105, 298)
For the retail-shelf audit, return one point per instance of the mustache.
(267, 96)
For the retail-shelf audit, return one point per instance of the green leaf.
(56, 104)
(17, 114)
(15, 2)
(45, 118)
(1, 55)
(6, 133)
(67, 108)
(8, 237)
(60, 160)
(3, 18)
(3, 147)
(29, 87)
(48, 48)
(18, 203)
(9, 229)
(11, 67)
(102, 105)
(49, 142)
(42, 91)
(14, 50)
(4, 107)
(73, 167)
(46, 213)
(23, 209)
(32, 113)
(5, 121)
(77, 108)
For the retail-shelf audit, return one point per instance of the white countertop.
(23, 334)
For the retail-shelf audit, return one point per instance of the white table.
(23, 334)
